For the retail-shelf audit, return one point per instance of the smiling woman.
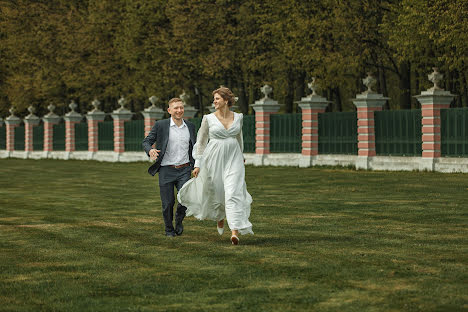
(218, 189)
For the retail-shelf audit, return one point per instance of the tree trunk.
(405, 85)
(383, 86)
(289, 98)
(464, 92)
(243, 101)
(337, 99)
(300, 87)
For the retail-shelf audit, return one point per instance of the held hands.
(195, 172)
(154, 153)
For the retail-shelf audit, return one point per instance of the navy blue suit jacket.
(160, 134)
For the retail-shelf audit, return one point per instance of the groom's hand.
(154, 153)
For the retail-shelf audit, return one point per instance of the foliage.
(54, 51)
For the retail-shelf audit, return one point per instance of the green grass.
(88, 236)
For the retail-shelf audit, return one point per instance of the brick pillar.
(11, 123)
(71, 119)
(367, 103)
(49, 120)
(120, 116)
(29, 122)
(432, 101)
(94, 117)
(310, 106)
(263, 109)
(152, 114)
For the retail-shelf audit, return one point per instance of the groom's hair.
(173, 100)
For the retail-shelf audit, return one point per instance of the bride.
(218, 190)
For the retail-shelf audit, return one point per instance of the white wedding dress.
(219, 191)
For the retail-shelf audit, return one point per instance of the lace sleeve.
(202, 140)
(239, 136)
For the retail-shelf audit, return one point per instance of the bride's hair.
(226, 94)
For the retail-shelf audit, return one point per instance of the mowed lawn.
(88, 236)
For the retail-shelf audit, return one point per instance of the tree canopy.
(55, 51)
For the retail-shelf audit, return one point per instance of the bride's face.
(218, 101)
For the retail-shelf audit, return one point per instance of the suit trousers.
(169, 178)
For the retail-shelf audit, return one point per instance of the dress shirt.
(177, 150)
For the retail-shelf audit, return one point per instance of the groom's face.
(176, 110)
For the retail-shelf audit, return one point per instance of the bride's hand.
(195, 172)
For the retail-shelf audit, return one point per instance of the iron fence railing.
(337, 133)
(454, 132)
(106, 136)
(248, 133)
(38, 137)
(286, 133)
(81, 136)
(19, 138)
(134, 134)
(2, 137)
(58, 143)
(398, 133)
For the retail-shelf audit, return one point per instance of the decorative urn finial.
(184, 97)
(122, 101)
(73, 106)
(266, 90)
(153, 99)
(435, 77)
(31, 110)
(313, 86)
(369, 82)
(12, 111)
(96, 104)
(51, 108)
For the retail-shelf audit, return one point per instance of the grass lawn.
(88, 236)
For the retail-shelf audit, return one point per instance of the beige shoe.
(220, 229)
(234, 240)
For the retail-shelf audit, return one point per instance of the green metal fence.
(398, 133)
(3, 137)
(106, 136)
(81, 136)
(248, 133)
(197, 122)
(454, 132)
(134, 134)
(286, 133)
(19, 138)
(58, 143)
(337, 133)
(38, 137)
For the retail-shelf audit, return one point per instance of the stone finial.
(122, 101)
(31, 118)
(73, 106)
(96, 105)
(435, 77)
(184, 97)
(12, 119)
(266, 90)
(369, 82)
(313, 86)
(153, 99)
(51, 108)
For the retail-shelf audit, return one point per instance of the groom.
(174, 139)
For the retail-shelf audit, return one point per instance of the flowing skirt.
(220, 191)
